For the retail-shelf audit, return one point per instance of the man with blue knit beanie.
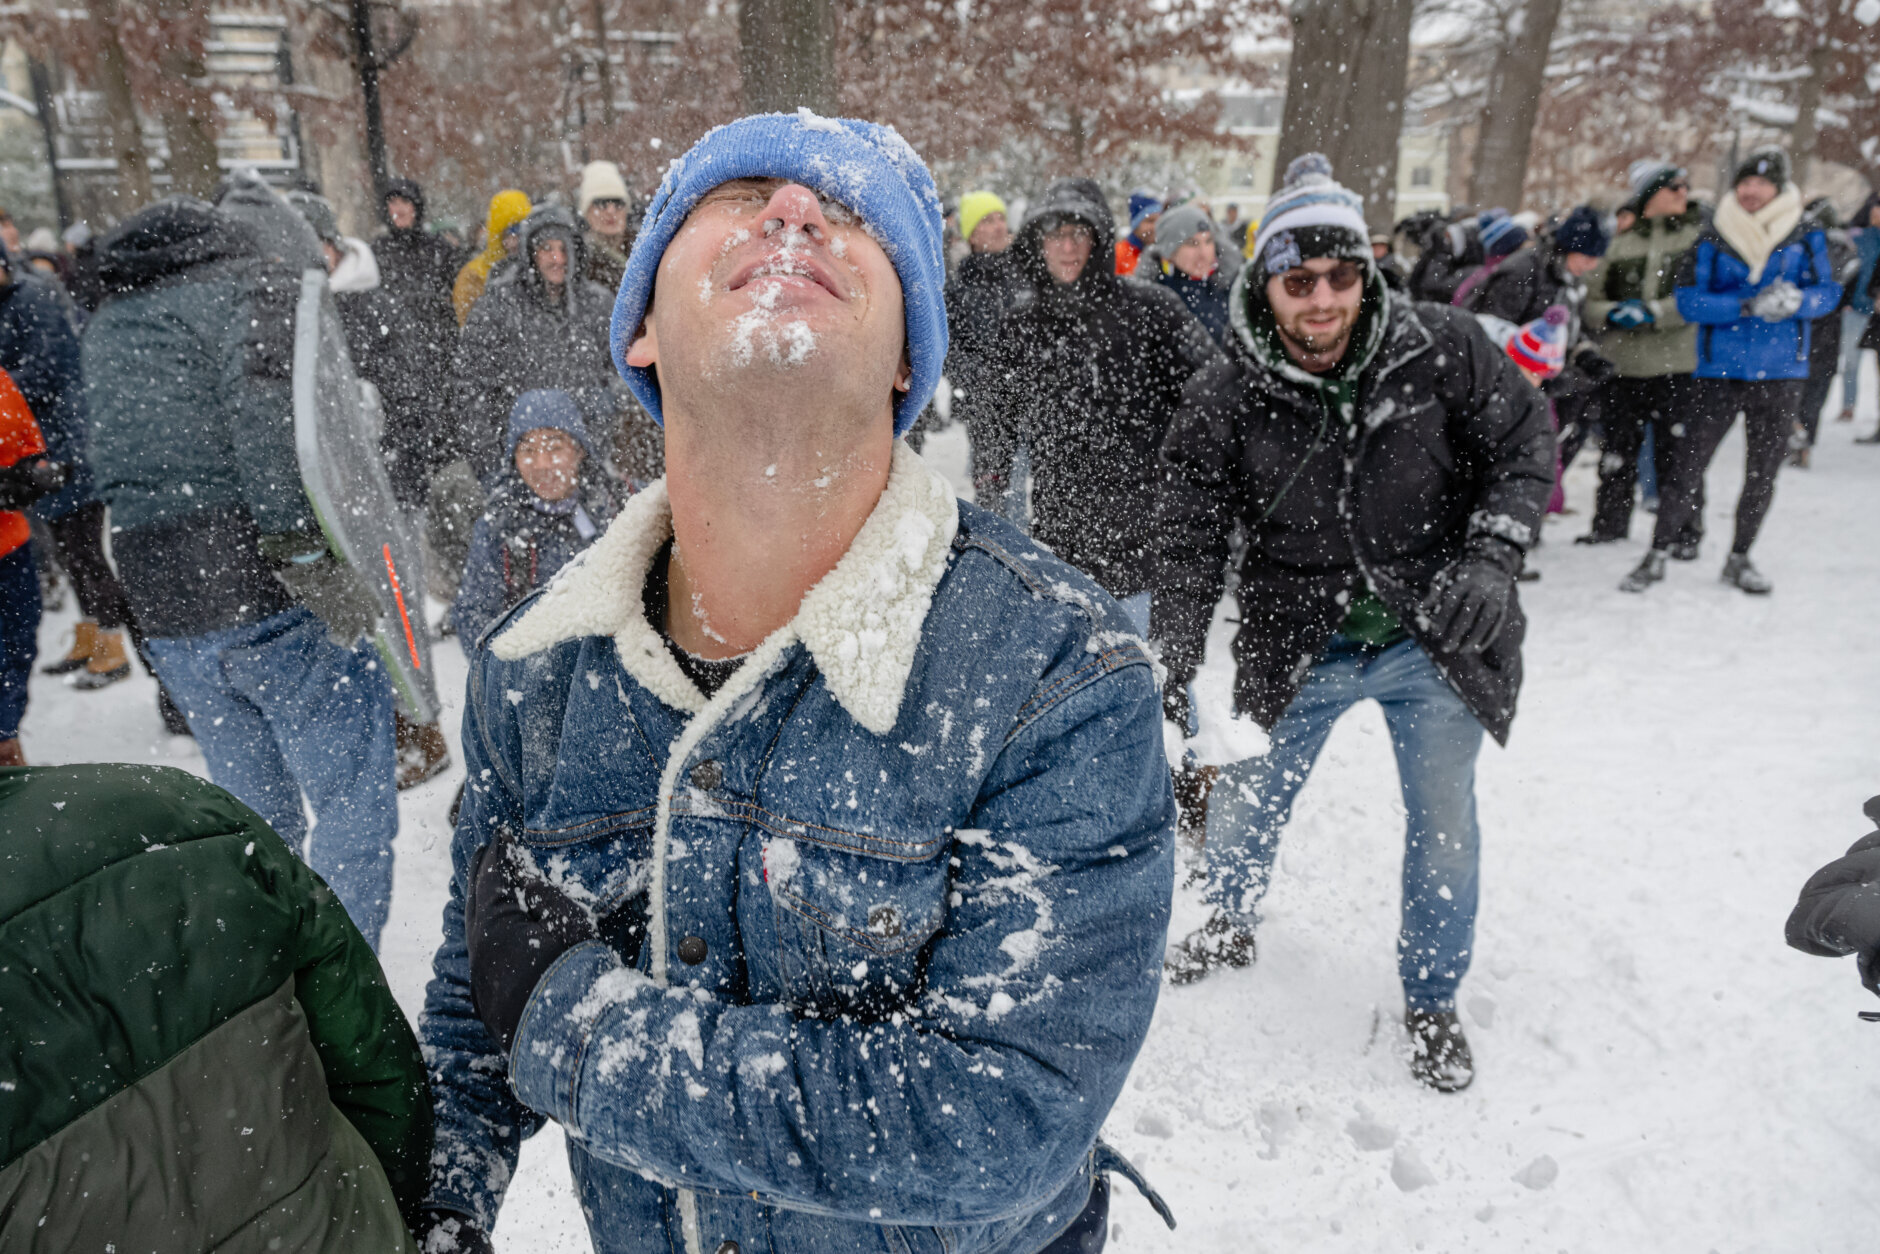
(815, 863)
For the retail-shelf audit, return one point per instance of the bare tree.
(1511, 101)
(1345, 94)
(120, 104)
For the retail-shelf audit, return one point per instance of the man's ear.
(644, 351)
(904, 373)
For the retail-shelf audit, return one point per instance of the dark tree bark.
(184, 106)
(787, 54)
(367, 60)
(1805, 137)
(41, 77)
(114, 83)
(1512, 102)
(1344, 95)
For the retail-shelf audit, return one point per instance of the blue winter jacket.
(1733, 345)
(908, 878)
(39, 348)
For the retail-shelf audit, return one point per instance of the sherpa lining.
(861, 622)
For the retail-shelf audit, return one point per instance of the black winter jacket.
(1089, 374)
(1449, 447)
(983, 288)
(517, 339)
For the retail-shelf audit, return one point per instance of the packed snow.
(1656, 1070)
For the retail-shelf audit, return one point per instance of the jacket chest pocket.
(853, 926)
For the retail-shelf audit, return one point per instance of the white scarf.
(1755, 235)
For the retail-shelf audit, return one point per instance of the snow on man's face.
(768, 286)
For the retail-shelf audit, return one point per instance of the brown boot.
(422, 752)
(109, 663)
(11, 754)
(84, 640)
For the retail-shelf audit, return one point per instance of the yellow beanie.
(507, 208)
(973, 207)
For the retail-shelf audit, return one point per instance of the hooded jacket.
(1643, 265)
(39, 349)
(1089, 375)
(522, 336)
(190, 418)
(199, 1052)
(507, 208)
(1714, 288)
(520, 541)
(416, 266)
(1374, 480)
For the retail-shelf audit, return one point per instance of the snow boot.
(1872, 437)
(84, 640)
(108, 664)
(1685, 550)
(1220, 942)
(1439, 1052)
(1646, 573)
(1846, 414)
(422, 753)
(1597, 537)
(1738, 571)
(1192, 786)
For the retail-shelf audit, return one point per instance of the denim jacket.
(908, 878)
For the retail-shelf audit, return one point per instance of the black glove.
(515, 925)
(1838, 912)
(324, 584)
(24, 482)
(1175, 706)
(447, 1232)
(1468, 602)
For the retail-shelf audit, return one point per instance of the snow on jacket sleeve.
(1195, 511)
(480, 1124)
(983, 1101)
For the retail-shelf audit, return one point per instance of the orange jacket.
(20, 438)
(1127, 255)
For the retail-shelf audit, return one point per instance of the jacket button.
(708, 775)
(884, 921)
(692, 950)
(729, 1247)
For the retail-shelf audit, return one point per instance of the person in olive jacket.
(198, 1050)
(1388, 466)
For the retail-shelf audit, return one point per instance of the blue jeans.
(1852, 326)
(279, 711)
(1436, 739)
(19, 635)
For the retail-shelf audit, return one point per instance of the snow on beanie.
(974, 206)
(600, 180)
(1310, 216)
(1541, 345)
(867, 167)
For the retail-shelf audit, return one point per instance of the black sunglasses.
(1302, 283)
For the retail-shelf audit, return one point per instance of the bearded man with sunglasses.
(1388, 465)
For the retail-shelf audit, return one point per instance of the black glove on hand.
(515, 925)
(447, 1232)
(24, 482)
(1468, 602)
(324, 584)
(1838, 912)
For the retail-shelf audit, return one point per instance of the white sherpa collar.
(861, 622)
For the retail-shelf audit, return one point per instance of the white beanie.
(600, 180)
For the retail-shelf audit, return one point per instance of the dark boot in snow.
(1220, 942)
(422, 753)
(1738, 571)
(1439, 1052)
(1192, 786)
(1685, 550)
(1646, 573)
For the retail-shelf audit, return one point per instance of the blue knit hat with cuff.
(868, 168)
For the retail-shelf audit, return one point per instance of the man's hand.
(515, 925)
(1838, 912)
(24, 482)
(1629, 315)
(1468, 601)
(447, 1232)
(324, 584)
(1778, 302)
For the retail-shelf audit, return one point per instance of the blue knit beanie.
(866, 167)
(1582, 231)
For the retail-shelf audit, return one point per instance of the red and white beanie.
(1540, 347)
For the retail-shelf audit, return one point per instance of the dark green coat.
(198, 1051)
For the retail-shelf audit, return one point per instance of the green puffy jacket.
(1642, 264)
(197, 1049)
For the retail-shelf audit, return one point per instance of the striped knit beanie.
(1310, 216)
(1541, 346)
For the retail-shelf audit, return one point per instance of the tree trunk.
(366, 61)
(126, 133)
(787, 54)
(1344, 95)
(41, 78)
(1513, 100)
(1803, 138)
(185, 107)
(334, 140)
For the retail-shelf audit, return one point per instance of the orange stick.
(398, 594)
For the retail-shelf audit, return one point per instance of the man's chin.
(1327, 345)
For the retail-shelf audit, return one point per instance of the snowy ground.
(1657, 1071)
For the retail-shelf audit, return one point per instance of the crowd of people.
(881, 817)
